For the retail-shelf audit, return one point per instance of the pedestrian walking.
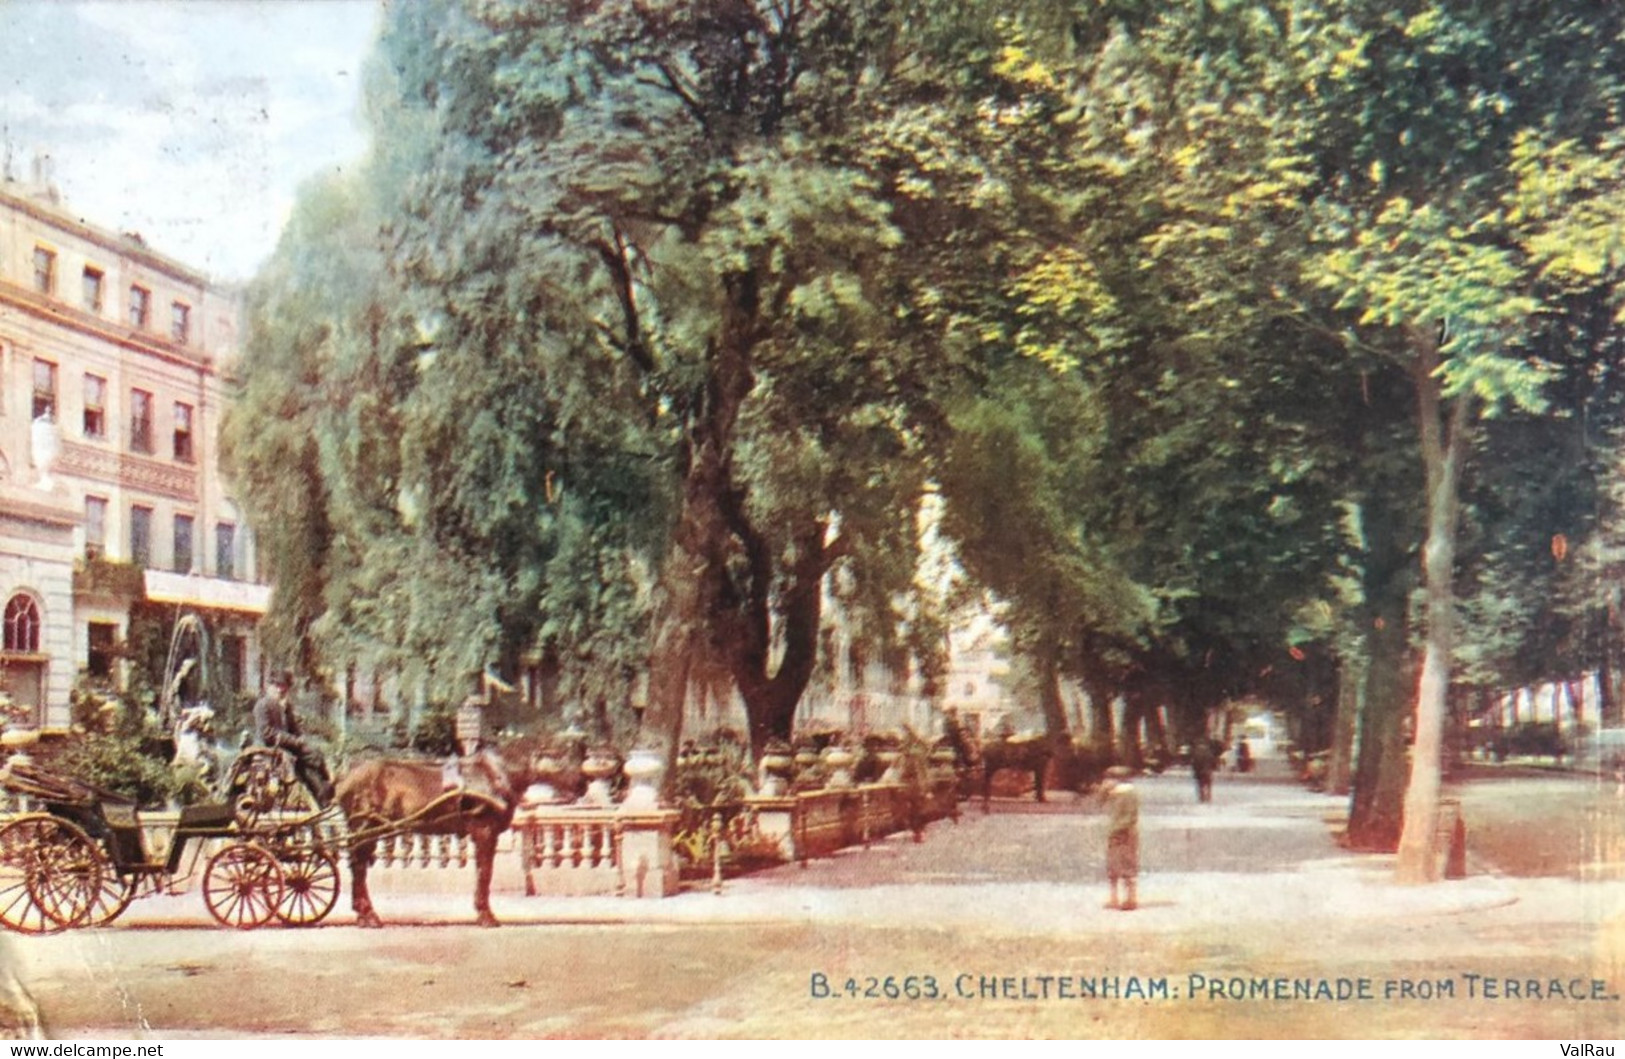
(1244, 755)
(1202, 762)
(1122, 837)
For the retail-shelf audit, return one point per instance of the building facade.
(114, 375)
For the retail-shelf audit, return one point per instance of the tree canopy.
(1254, 347)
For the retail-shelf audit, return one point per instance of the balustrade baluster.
(619, 862)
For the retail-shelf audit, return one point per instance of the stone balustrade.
(569, 849)
(578, 849)
(817, 823)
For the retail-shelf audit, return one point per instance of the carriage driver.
(276, 724)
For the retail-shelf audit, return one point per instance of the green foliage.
(435, 732)
(650, 317)
(118, 750)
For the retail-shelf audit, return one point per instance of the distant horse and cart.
(1052, 761)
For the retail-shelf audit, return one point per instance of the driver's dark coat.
(275, 723)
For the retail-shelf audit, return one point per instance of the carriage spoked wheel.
(242, 886)
(310, 885)
(50, 874)
(112, 898)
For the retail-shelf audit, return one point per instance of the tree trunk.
(1048, 658)
(771, 698)
(1376, 805)
(1376, 798)
(1442, 444)
(1156, 733)
(1101, 736)
(670, 657)
(1350, 700)
(1608, 703)
(1133, 714)
(689, 597)
(1096, 682)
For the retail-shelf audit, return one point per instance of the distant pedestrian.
(1122, 837)
(1202, 762)
(1244, 755)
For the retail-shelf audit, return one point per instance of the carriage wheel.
(20, 845)
(112, 898)
(310, 886)
(50, 874)
(242, 886)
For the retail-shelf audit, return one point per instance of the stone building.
(113, 379)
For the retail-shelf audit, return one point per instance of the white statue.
(47, 446)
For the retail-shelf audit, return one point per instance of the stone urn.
(839, 760)
(544, 784)
(16, 742)
(46, 446)
(890, 765)
(643, 769)
(598, 768)
(774, 770)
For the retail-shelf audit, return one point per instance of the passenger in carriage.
(277, 724)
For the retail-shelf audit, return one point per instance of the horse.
(380, 796)
(1076, 767)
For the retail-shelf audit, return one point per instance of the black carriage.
(78, 855)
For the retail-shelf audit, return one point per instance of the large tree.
(709, 264)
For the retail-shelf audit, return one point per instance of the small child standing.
(1122, 836)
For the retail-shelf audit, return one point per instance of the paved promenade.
(1250, 887)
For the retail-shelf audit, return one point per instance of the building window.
(102, 636)
(183, 544)
(183, 432)
(140, 307)
(92, 289)
(95, 406)
(22, 625)
(234, 660)
(141, 536)
(95, 525)
(44, 270)
(140, 421)
(180, 323)
(225, 550)
(44, 389)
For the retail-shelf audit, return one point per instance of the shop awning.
(211, 593)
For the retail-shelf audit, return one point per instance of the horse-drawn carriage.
(78, 855)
